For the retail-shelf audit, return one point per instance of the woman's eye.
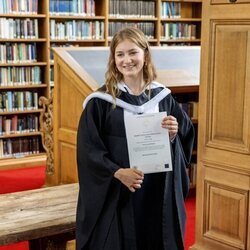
(133, 53)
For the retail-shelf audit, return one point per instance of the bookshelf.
(180, 22)
(23, 79)
(74, 23)
(102, 18)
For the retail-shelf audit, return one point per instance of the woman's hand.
(130, 177)
(171, 124)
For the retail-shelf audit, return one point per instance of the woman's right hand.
(132, 178)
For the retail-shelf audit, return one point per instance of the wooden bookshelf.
(106, 16)
(114, 14)
(24, 78)
(23, 162)
(58, 20)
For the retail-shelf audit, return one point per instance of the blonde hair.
(112, 75)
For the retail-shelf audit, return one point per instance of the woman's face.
(129, 59)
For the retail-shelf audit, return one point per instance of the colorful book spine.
(18, 6)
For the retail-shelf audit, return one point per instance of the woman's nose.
(127, 58)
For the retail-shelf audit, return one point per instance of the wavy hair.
(112, 75)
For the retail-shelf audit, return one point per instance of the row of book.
(18, 6)
(12, 101)
(131, 8)
(170, 10)
(178, 31)
(18, 53)
(167, 43)
(147, 27)
(76, 30)
(19, 147)
(20, 76)
(17, 125)
(72, 7)
(191, 108)
(18, 28)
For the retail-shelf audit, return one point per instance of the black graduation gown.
(109, 216)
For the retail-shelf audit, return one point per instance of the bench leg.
(55, 242)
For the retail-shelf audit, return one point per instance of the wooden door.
(223, 179)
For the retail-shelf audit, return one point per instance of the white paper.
(148, 143)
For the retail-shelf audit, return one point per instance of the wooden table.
(45, 217)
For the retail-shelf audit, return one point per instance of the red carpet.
(20, 180)
(31, 178)
(190, 223)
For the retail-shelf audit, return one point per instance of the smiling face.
(129, 60)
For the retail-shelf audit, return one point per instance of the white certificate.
(148, 143)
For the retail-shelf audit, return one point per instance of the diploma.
(148, 143)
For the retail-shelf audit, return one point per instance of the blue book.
(67, 8)
(63, 7)
(52, 6)
(56, 6)
(71, 7)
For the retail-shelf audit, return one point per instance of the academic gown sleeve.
(99, 191)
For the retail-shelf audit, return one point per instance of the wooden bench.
(45, 217)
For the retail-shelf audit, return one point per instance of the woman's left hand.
(171, 124)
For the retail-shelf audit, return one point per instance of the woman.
(121, 208)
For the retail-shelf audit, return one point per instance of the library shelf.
(24, 74)
(23, 162)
